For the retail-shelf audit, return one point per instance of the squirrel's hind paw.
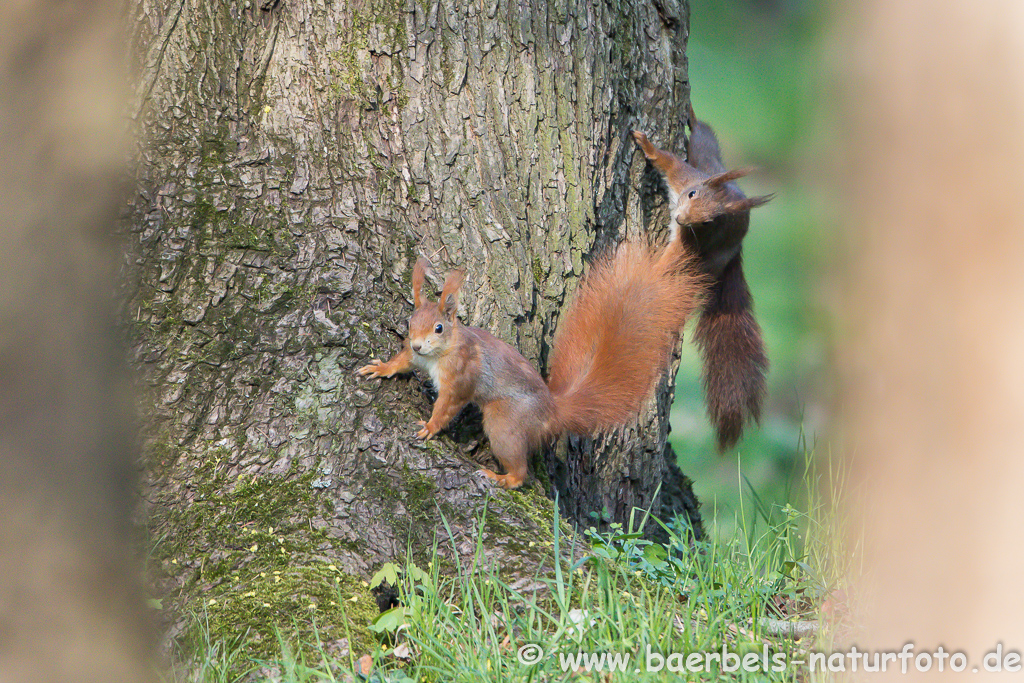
(505, 481)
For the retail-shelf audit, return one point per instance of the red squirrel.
(610, 349)
(713, 215)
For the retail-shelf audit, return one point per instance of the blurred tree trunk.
(298, 156)
(71, 604)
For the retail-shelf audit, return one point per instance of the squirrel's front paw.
(373, 369)
(424, 433)
(644, 143)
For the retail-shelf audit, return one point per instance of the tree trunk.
(298, 157)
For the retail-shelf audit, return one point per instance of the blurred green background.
(756, 76)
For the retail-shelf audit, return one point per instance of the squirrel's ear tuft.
(448, 304)
(748, 203)
(722, 178)
(419, 275)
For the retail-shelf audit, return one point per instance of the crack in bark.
(155, 60)
(269, 50)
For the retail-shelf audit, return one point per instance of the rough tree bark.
(298, 156)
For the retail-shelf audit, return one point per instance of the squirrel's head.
(694, 196)
(433, 325)
(704, 198)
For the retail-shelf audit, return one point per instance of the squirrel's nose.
(416, 346)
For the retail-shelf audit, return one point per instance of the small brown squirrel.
(614, 342)
(713, 215)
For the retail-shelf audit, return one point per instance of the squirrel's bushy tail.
(732, 355)
(617, 336)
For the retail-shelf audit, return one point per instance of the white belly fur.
(429, 365)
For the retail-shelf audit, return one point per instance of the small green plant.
(663, 564)
(391, 621)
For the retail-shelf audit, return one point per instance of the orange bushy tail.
(618, 335)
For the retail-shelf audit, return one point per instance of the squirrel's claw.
(424, 433)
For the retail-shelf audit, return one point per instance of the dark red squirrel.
(713, 214)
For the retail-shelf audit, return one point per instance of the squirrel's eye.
(692, 194)
(439, 328)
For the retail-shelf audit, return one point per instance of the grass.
(627, 597)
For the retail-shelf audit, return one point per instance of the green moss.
(625, 38)
(447, 71)
(200, 215)
(215, 151)
(169, 324)
(415, 193)
(397, 82)
(387, 175)
(539, 510)
(349, 64)
(161, 457)
(538, 271)
(421, 494)
(250, 549)
(412, 507)
(296, 602)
